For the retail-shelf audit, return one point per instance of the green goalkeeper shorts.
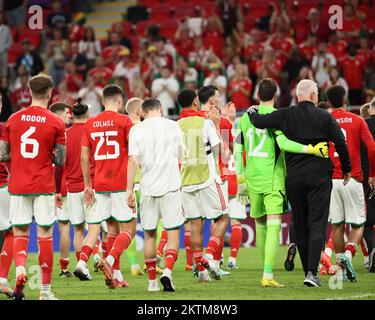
(274, 202)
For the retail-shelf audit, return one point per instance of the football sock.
(170, 258)
(197, 255)
(350, 250)
(104, 249)
(78, 254)
(235, 239)
(20, 250)
(96, 247)
(213, 245)
(110, 241)
(6, 255)
(118, 275)
(121, 243)
(219, 251)
(46, 258)
(329, 246)
(151, 268)
(86, 252)
(131, 252)
(261, 233)
(189, 252)
(64, 263)
(162, 242)
(271, 246)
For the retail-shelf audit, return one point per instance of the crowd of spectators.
(223, 47)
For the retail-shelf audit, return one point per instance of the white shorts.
(4, 209)
(79, 212)
(24, 208)
(167, 207)
(62, 213)
(236, 210)
(113, 205)
(207, 203)
(225, 190)
(347, 203)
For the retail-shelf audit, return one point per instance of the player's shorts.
(347, 203)
(274, 202)
(62, 213)
(79, 212)
(24, 208)
(236, 210)
(113, 205)
(167, 207)
(4, 209)
(207, 203)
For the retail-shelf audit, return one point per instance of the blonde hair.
(132, 105)
(365, 110)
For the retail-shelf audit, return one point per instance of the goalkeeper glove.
(242, 196)
(319, 150)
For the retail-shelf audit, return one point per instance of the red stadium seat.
(168, 28)
(149, 3)
(161, 12)
(14, 52)
(141, 27)
(31, 35)
(184, 10)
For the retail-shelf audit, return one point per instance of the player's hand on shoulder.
(319, 150)
(253, 109)
(88, 196)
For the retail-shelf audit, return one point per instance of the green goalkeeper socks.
(261, 232)
(131, 252)
(271, 245)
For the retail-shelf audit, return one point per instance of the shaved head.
(307, 90)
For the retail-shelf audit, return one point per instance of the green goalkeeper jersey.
(265, 165)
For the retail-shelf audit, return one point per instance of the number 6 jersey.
(32, 134)
(107, 135)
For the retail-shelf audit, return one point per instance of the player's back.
(107, 135)
(265, 166)
(3, 168)
(352, 127)
(33, 134)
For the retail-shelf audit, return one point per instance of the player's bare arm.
(133, 165)
(85, 165)
(4, 151)
(59, 155)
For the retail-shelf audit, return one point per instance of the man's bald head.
(307, 90)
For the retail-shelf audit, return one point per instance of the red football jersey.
(32, 134)
(107, 135)
(353, 68)
(355, 130)
(3, 168)
(226, 135)
(74, 177)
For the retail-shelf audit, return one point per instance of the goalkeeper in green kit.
(262, 180)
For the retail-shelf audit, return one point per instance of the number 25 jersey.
(32, 134)
(107, 135)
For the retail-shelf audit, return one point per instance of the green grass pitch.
(242, 284)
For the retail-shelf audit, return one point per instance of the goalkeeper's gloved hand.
(242, 196)
(252, 109)
(319, 150)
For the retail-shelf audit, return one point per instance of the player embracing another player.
(33, 139)
(107, 136)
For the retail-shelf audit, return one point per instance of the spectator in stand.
(280, 17)
(232, 67)
(15, 12)
(90, 46)
(213, 35)
(138, 88)
(100, 73)
(294, 64)
(79, 59)
(351, 24)
(366, 53)
(165, 89)
(21, 97)
(309, 48)
(151, 65)
(336, 46)
(335, 79)
(111, 53)
(30, 59)
(270, 63)
(92, 96)
(253, 52)
(198, 54)
(77, 28)
(240, 88)
(230, 14)
(58, 18)
(73, 79)
(124, 41)
(322, 63)
(281, 42)
(125, 70)
(242, 37)
(182, 39)
(304, 73)
(316, 25)
(166, 51)
(353, 68)
(219, 81)
(5, 44)
(6, 111)
(229, 50)
(63, 95)
(57, 51)
(185, 74)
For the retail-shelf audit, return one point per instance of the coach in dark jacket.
(308, 178)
